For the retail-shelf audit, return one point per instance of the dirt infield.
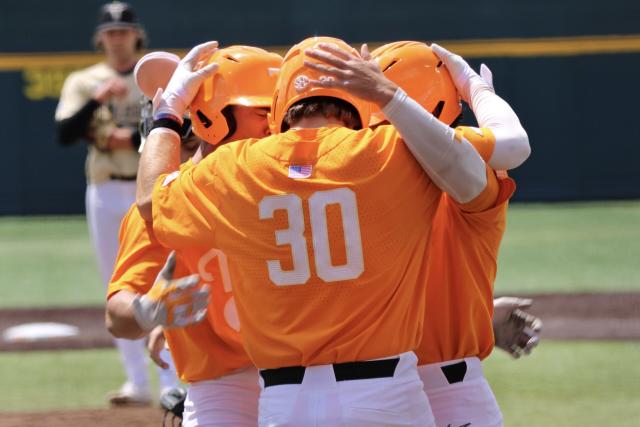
(587, 316)
(613, 316)
(130, 417)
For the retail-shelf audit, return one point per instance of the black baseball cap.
(116, 15)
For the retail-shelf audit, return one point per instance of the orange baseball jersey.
(461, 270)
(198, 352)
(211, 265)
(324, 231)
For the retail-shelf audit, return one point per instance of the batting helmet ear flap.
(246, 76)
(230, 118)
(224, 120)
(211, 126)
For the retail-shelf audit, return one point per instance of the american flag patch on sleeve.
(299, 171)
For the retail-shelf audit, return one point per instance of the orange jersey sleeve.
(140, 256)
(482, 140)
(462, 265)
(324, 231)
(198, 352)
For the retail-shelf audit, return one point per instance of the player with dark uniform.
(101, 105)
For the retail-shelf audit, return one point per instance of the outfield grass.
(571, 247)
(44, 380)
(47, 261)
(547, 248)
(569, 384)
(561, 384)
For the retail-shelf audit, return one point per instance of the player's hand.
(115, 87)
(516, 331)
(461, 72)
(186, 81)
(171, 303)
(358, 75)
(155, 347)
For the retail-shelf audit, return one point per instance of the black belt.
(343, 371)
(117, 177)
(455, 372)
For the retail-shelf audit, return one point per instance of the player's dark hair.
(326, 106)
(232, 123)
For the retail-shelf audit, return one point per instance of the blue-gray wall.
(580, 110)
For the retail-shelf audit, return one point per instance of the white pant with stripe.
(106, 204)
(463, 399)
(229, 401)
(322, 401)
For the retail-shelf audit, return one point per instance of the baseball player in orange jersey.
(330, 323)
(223, 385)
(464, 245)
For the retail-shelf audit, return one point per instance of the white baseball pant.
(229, 401)
(459, 394)
(320, 400)
(106, 205)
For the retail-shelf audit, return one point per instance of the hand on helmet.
(516, 331)
(461, 72)
(356, 74)
(186, 81)
(171, 303)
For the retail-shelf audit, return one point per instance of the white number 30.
(294, 236)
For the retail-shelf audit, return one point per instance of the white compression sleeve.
(454, 166)
(512, 143)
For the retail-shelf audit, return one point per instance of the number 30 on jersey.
(294, 236)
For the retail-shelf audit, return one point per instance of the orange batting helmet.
(415, 68)
(247, 76)
(292, 83)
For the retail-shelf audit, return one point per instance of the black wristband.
(168, 124)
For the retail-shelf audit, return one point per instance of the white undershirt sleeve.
(454, 166)
(512, 143)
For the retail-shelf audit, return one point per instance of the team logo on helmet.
(294, 83)
(301, 82)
